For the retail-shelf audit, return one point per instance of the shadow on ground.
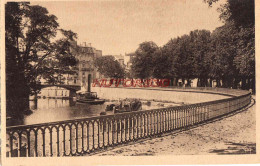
(236, 148)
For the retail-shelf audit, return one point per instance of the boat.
(127, 105)
(89, 98)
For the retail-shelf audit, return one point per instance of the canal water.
(53, 109)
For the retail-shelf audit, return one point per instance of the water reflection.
(48, 110)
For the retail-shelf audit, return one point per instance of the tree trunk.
(198, 83)
(243, 86)
(225, 82)
(218, 83)
(176, 81)
(183, 82)
(210, 82)
(236, 82)
(252, 86)
(188, 83)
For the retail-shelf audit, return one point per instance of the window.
(83, 64)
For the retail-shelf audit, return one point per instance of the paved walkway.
(232, 135)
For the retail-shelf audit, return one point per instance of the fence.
(83, 136)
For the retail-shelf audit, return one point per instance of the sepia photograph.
(121, 78)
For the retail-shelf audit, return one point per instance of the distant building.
(120, 59)
(85, 70)
(130, 62)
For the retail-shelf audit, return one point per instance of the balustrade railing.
(83, 136)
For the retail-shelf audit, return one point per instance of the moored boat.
(89, 98)
(127, 105)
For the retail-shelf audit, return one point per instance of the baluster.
(117, 130)
(103, 132)
(108, 125)
(122, 124)
(58, 142)
(82, 137)
(195, 115)
(51, 152)
(163, 121)
(137, 126)
(160, 113)
(11, 144)
(35, 144)
(19, 144)
(146, 126)
(93, 134)
(183, 117)
(126, 128)
(76, 138)
(179, 118)
(170, 120)
(142, 126)
(154, 122)
(88, 136)
(174, 119)
(149, 122)
(98, 126)
(70, 139)
(180, 113)
(134, 127)
(43, 142)
(64, 141)
(113, 128)
(28, 144)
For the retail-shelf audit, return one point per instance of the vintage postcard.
(104, 82)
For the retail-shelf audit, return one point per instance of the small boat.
(127, 105)
(89, 98)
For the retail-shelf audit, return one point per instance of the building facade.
(85, 71)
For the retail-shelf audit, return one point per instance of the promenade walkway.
(232, 135)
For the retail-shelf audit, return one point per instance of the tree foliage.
(109, 67)
(31, 52)
(143, 61)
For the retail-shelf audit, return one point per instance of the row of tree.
(226, 55)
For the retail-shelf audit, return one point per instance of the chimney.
(89, 44)
(84, 44)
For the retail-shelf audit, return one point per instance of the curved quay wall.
(87, 135)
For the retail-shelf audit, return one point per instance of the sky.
(118, 27)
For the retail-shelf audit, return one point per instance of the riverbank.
(233, 135)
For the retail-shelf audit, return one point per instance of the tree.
(163, 67)
(199, 43)
(242, 12)
(143, 61)
(30, 31)
(109, 67)
(223, 43)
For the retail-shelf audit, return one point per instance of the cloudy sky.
(118, 27)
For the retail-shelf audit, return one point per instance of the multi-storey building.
(130, 61)
(85, 71)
